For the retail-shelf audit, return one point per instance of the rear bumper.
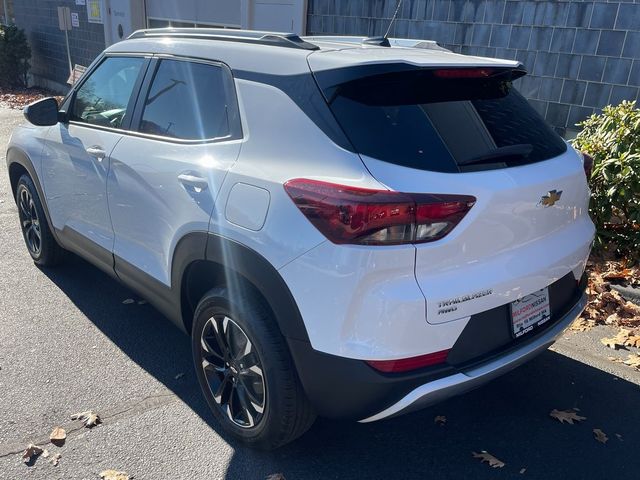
(471, 378)
(339, 387)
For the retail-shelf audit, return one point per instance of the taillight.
(352, 215)
(587, 163)
(408, 364)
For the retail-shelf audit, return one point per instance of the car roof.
(287, 54)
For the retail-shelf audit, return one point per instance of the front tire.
(245, 370)
(41, 244)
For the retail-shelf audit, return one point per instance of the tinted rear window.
(443, 125)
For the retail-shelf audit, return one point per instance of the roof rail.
(276, 39)
(393, 42)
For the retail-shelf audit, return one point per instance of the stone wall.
(39, 19)
(580, 55)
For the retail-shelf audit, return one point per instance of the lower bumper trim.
(458, 383)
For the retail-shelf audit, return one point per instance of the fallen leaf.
(522, 470)
(440, 420)
(55, 459)
(566, 416)
(89, 418)
(490, 459)
(128, 301)
(58, 436)
(275, 476)
(31, 453)
(115, 475)
(633, 360)
(600, 435)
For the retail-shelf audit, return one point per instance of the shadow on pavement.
(509, 417)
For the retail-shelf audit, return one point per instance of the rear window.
(417, 120)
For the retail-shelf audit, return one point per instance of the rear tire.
(41, 244)
(246, 372)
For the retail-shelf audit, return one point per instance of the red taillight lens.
(587, 163)
(408, 364)
(376, 217)
(464, 72)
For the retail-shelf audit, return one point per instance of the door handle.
(193, 180)
(97, 152)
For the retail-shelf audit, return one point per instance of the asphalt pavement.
(69, 344)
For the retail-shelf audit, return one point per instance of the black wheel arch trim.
(17, 156)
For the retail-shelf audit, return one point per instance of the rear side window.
(191, 101)
(441, 124)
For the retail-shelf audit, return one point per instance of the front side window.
(191, 101)
(103, 98)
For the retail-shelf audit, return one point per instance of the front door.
(76, 158)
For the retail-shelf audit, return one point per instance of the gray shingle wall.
(580, 55)
(39, 19)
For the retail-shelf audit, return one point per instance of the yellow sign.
(94, 11)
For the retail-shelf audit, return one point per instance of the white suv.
(346, 227)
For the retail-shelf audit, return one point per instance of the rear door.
(164, 179)
(467, 131)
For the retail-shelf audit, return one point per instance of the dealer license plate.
(530, 312)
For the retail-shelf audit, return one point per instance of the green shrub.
(15, 54)
(613, 140)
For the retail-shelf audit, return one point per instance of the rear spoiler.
(393, 42)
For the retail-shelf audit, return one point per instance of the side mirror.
(43, 112)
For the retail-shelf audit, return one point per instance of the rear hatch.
(460, 127)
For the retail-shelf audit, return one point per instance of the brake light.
(587, 163)
(464, 72)
(407, 364)
(352, 215)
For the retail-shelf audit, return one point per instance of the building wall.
(580, 55)
(49, 65)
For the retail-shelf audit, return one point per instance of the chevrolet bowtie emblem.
(550, 199)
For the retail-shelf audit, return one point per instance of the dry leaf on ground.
(490, 459)
(128, 301)
(31, 453)
(115, 475)
(275, 476)
(633, 360)
(55, 459)
(566, 416)
(440, 420)
(58, 435)
(600, 435)
(89, 418)
(522, 470)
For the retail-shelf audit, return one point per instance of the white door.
(123, 18)
(76, 156)
(275, 15)
(163, 183)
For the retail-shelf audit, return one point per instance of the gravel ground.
(69, 344)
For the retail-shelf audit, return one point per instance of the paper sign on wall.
(75, 19)
(94, 11)
(81, 2)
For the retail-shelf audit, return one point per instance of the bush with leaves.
(15, 54)
(613, 140)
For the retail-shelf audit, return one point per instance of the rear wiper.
(521, 150)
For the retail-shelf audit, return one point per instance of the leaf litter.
(89, 418)
(115, 475)
(485, 456)
(600, 435)
(568, 416)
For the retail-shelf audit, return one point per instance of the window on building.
(103, 97)
(191, 101)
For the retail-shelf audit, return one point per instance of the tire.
(265, 411)
(41, 244)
